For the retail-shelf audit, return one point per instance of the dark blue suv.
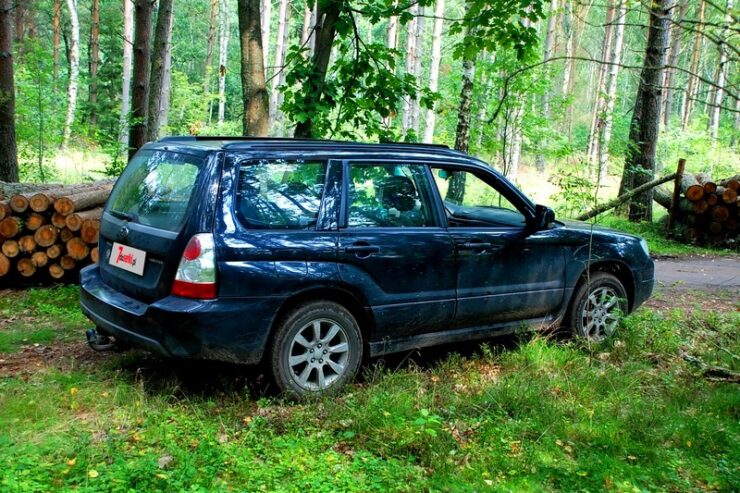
(309, 255)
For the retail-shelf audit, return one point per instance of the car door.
(504, 274)
(393, 246)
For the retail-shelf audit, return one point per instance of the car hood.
(580, 229)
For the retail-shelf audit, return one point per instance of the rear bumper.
(224, 329)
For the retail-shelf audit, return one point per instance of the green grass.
(40, 316)
(537, 415)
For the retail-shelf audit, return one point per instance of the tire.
(597, 307)
(305, 364)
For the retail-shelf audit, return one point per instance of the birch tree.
(209, 46)
(716, 102)
(406, 117)
(128, 50)
(8, 151)
(439, 11)
(280, 50)
(254, 90)
(164, 107)
(598, 108)
(74, 70)
(162, 33)
(414, 119)
(223, 53)
(611, 91)
(674, 52)
(94, 62)
(545, 100)
(266, 17)
(693, 82)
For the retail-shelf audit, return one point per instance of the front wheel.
(597, 307)
(316, 349)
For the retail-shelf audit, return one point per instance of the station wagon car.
(310, 255)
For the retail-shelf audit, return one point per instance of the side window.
(389, 195)
(279, 194)
(470, 201)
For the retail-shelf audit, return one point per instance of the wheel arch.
(618, 269)
(354, 302)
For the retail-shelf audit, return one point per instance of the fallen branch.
(624, 198)
(714, 373)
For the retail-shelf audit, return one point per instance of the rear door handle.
(362, 250)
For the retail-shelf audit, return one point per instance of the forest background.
(544, 90)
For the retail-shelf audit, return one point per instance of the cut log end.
(67, 262)
(46, 235)
(4, 265)
(54, 251)
(34, 221)
(10, 248)
(90, 231)
(10, 226)
(695, 193)
(77, 249)
(19, 203)
(39, 259)
(95, 255)
(39, 202)
(27, 244)
(56, 271)
(26, 267)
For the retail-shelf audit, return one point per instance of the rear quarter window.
(156, 188)
(280, 194)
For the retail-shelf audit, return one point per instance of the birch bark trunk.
(56, 36)
(598, 109)
(74, 71)
(676, 33)
(693, 82)
(406, 118)
(223, 53)
(714, 111)
(279, 60)
(128, 47)
(419, 45)
(611, 92)
(266, 17)
(94, 62)
(431, 116)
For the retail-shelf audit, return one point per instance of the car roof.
(274, 144)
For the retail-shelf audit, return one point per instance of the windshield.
(155, 189)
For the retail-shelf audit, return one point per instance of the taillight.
(196, 274)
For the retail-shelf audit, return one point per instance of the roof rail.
(212, 138)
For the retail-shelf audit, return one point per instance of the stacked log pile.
(708, 211)
(50, 234)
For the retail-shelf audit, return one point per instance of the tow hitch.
(99, 342)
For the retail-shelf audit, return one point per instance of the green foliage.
(576, 190)
(540, 415)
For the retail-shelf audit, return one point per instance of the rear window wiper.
(121, 215)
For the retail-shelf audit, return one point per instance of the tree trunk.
(545, 100)
(223, 51)
(159, 55)
(419, 44)
(328, 14)
(20, 17)
(639, 166)
(676, 33)
(94, 62)
(716, 102)
(280, 50)
(209, 57)
(439, 12)
(128, 48)
(8, 152)
(164, 106)
(74, 71)
(513, 144)
(462, 135)
(598, 110)
(568, 31)
(306, 28)
(254, 91)
(266, 17)
(734, 141)
(611, 91)
(56, 23)
(693, 81)
(406, 118)
(140, 87)
(392, 39)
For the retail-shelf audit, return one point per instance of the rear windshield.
(155, 189)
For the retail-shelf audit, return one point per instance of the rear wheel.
(316, 349)
(597, 307)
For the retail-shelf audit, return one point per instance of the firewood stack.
(50, 234)
(708, 211)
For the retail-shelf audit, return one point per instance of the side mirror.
(543, 217)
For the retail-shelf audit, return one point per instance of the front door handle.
(477, 246)
(362, 250)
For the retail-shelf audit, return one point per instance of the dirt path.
(705, 273)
